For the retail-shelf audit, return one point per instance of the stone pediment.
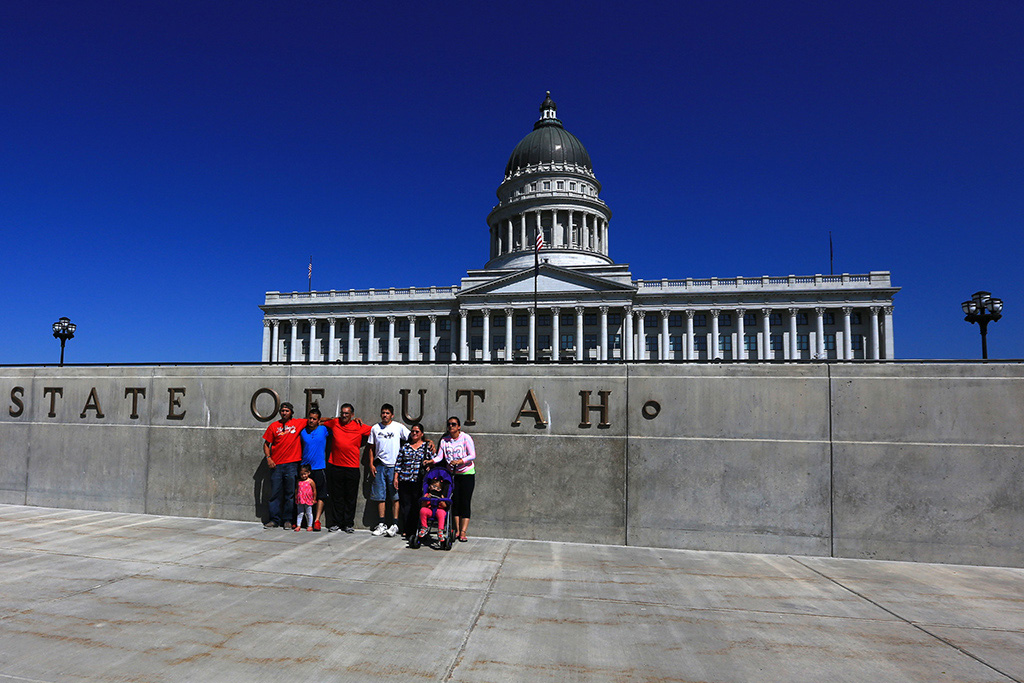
(550, 280)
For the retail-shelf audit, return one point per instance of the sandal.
(463, 539)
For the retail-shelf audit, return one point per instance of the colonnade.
(580, 230)
(635, 342)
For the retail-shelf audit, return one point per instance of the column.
(432, 341)
(332, 343)
(352, 355)
(371, 343)
(532, 354)
(741, 331)
(508, 243)
(766, 333)
(663, 352)
(847, 341)
(265, 355)
(275, 353)
(414, 346)
(522, 231)
(555, 333)
(690, 354)
(509, 336)
(463, 335)
(604, 333)
(875, 355)
(641, 335)
(313, 354)
(292, 350)
(627, 332)
(793, 352)
(819, 329)
(391, 339)
(713, 352)
(890, 342)
(487, 334)
(579, 333)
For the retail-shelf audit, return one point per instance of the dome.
(549, 143)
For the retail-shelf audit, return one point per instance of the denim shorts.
(384, 484)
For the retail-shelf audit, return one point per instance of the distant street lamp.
(983, 308)
(64, 329)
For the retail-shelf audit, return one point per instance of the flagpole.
(536, 274)
(831, 269)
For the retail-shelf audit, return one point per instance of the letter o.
(272, 414)
(651, 410)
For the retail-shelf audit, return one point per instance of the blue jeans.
(384, 484)
(282, 493)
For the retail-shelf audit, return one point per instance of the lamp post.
(63, 329)
(983, 308)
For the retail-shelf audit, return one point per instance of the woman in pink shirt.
(458, 451)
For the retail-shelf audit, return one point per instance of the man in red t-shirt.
(282, 447)
(347, 438)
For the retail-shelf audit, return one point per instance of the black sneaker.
(349, 530)
(334, 528)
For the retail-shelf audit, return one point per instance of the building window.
(725, 342)
(424, 347)
(572, 186)
(423, 325)
(830, 342)
(855, 318)
(700, 320)
(803, 342)
(444, 345)
(305, 328)
(362, 346)
(476, 343)
(568, 319)
(775, 319)
(750, 342)
(830, 318)
(533, 187)
(650, 320)
(445, 324)
(801, 318)
(544, 341)
(590, 318)
(403, 325)
(615, 341)
(651, 342)
(364, 326)
(725, 319)
(521, 321)
(522, 341)
(499, 342)
(590, 341)
(857, 342)
(776, 342)
(675, 343)
(544, 320)
(499, 321)
(614, 319)
(675, 320)
(476, 321)
(560, 185)
(566, 342)
(547, 185)
(749, 320)
(403, 346)
(700, 343)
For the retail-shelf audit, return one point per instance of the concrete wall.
(889, 461)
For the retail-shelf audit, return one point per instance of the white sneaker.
(392, 530)
(379, 530)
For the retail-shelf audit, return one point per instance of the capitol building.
(578, 305)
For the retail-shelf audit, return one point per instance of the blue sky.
(164, 164)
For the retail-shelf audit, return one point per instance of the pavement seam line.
(909, 622)
(483, 602)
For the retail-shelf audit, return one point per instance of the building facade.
(578, 305)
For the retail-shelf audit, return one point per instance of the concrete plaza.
(100, 596)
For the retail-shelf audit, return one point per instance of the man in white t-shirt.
(385, 440)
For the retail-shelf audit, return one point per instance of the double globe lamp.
(983, 308)
(63, 329)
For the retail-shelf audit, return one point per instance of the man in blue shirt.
(314, 453)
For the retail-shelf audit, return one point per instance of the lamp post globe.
(983, 308)
(63, 330)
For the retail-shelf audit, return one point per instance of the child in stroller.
(434, 506)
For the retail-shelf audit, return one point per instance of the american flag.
(311, 266)
(540, 241)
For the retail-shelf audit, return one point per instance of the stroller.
(437, 472)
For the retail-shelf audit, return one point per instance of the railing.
(404, 293)
(879, 279)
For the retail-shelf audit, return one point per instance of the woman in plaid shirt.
(408, 469)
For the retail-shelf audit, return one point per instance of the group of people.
(315, 468)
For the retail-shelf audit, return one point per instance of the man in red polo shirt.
(282, 447)
(346, 444)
